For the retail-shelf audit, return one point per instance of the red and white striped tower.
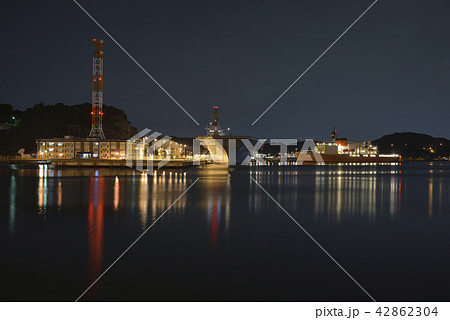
(97, 91)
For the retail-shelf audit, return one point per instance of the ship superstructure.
(341, 149)
(213, 128)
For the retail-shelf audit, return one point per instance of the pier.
(103, 163)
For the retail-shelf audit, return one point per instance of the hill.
(414, 146)
(49, 121)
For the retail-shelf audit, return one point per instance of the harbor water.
(225, 239)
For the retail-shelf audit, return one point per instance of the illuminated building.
(71, 147)
(96, 146)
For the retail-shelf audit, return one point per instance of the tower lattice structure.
(97, 91)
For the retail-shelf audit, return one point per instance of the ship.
(341, 150)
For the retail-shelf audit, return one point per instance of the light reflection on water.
(157, 194)
(42, 190)
(116, 194)
(430, 196)
(95, 217)
(217, 190)
(351, 193)
(133, 201)
(340, 192)
(12, 205)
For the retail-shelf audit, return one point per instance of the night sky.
(390, 72)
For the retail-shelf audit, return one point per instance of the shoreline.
(100, 163)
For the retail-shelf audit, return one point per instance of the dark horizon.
(387, 74)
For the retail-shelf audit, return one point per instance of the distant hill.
(49, 121)
(414, 146)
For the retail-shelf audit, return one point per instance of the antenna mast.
(97, 91)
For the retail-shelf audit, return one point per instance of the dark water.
(225, 239)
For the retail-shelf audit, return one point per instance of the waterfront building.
(96, 146)
(71, 147)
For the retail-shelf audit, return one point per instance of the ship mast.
(334, 135)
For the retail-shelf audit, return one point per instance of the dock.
(102, 163)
